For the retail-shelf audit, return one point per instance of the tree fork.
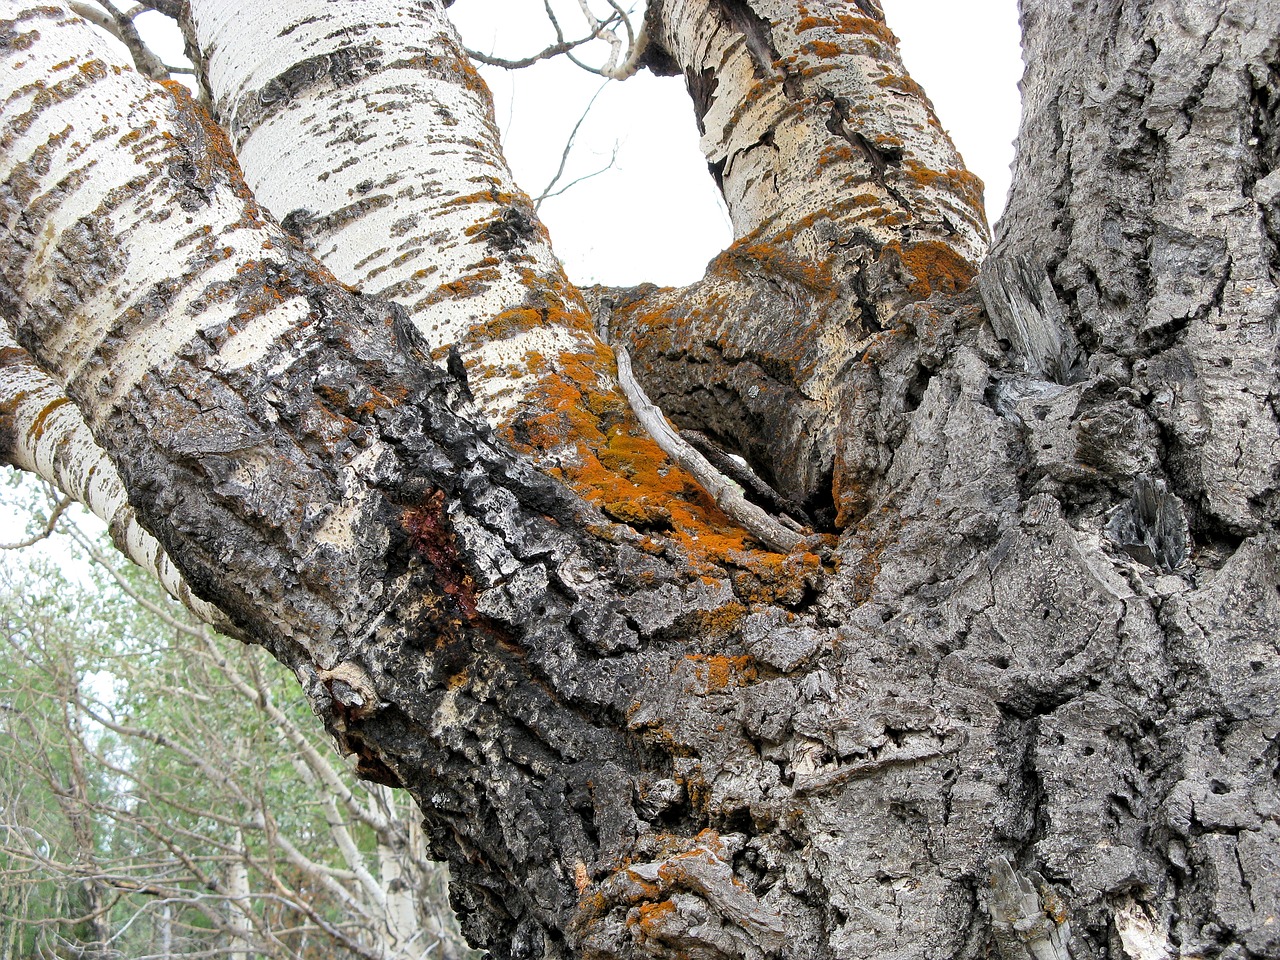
(1009, 718)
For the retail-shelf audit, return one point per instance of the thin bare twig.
(564, 157)
(555, 50)
(624, 55)
(49, 526)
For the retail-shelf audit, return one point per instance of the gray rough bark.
(1021, 704)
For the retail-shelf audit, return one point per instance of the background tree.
(164, 800)
(1003, 683)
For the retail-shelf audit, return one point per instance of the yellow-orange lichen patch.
(713, 674)
(501, 198)
(776, 578)
(719, 623)
(824, 49)
(473, 284)
(650, 920)
(934, 267)
(903, 84)
(848, 26)
(962, 184)
(777, 260)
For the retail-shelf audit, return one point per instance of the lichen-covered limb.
(849, 204)
(367, 132)
(42, 432)
(814, 128)
(364, 129)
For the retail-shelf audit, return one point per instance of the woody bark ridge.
(849, 203)
(225, 427)
(1168, 285)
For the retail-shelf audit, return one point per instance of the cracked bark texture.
(1019, 702)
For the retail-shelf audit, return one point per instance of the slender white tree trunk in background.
(166, 930)
(403, 929)
(1015, 694)
(239, 903)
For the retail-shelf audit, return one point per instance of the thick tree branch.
(849, 204)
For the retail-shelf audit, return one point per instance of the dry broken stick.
(624, 55)
(727, 494)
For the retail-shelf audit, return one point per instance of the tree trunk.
(1014, 694)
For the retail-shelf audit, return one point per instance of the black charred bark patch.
(512, 229)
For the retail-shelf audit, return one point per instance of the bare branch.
(120, 25)
(49, 526)
(564, 157)
(555, 50)
(624, 55)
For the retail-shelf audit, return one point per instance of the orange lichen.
(824, 49)
(848, 25)
(961, 184)
(716, 673)
(470, 285)
(719, 623)
(903, 84)
(651, 918)
(934, 267)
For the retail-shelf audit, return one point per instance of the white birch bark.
(815, 126)
(365, 129)
(405, 933)
(239, 903)
(132, 247)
